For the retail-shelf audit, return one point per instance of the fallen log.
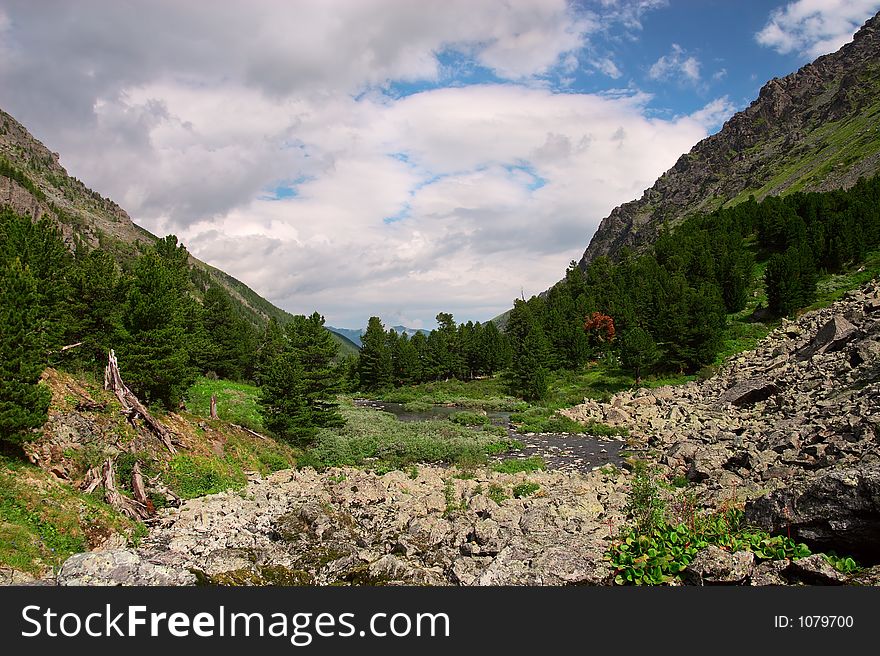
(132, 407)
(122, 503)
(250, 432)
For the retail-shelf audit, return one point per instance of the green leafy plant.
(525, 490)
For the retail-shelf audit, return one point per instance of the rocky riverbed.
(350, 526)
(791, 428)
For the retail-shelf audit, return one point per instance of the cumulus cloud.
(812, 28)
(267, 140)
(676, 65)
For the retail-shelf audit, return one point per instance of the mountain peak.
(813, 130)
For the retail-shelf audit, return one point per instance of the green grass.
(193, 476)
(833, 287)
(377, 440)
(43, 522)
(525, 490)
(236, 402)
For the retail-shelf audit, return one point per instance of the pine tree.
(95, 308)
(314, 348)
(229, 341)
(271, 344)
(23, 401)
(155, 357)
(375, 366)
(285, 410)
(638, 351)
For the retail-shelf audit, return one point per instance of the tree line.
(463, 351)
(167, 322)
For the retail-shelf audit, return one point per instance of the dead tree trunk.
(131, 406)
(214, 407)
(122, 503)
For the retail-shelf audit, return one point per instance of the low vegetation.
(42, 522)
(377, 440)
(661, 540)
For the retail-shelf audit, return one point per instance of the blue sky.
(389, 157)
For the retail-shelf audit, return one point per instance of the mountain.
(33, 182)
(817, 129)
(354, 335)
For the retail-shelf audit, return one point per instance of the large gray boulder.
(831, 337)
(118, 567)
(749, 392)
(836, 509)
(715, 566)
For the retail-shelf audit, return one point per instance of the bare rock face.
(782, 129)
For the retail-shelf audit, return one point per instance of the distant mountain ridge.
(817, 129)
(354, 335)
(33, 182)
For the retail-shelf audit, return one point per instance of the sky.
(395, 158)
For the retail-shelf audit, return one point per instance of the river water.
(562, 451)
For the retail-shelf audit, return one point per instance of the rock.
(749, 392)
(831, 337)
(715, 566)
(814, 570)
(770, 572)
(120, 567)
(833, 510)
(868, 576)
(11, 576)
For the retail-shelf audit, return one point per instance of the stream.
(561, 451)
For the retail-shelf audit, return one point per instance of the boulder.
(831, 337)
(749, 392)
(834, 510)
(715, 566)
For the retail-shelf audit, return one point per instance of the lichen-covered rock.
(715, 566)
(120, 567)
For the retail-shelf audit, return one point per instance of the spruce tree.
(638, 351)
(229, 342)
(23, 401)
(314, 348)
(375, 366)
(285, 410)
(154, 358)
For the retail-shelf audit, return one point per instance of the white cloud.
(448, 199)
(608, 67)
(815, 27)
(676, 65)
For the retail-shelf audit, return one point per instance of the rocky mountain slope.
(793, 427)
(33, 182)
(817, 129)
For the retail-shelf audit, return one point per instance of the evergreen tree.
(154, 358)
(375, 366)
(95, 309)
(286, 413)
(229, 340)
(271, 344)
(314, 348)
(23, 401)
(638, 351)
